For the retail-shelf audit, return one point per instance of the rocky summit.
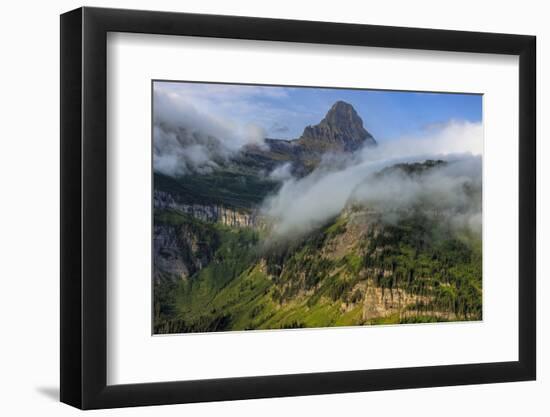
(341, 130)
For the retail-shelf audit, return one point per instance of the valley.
(221, 265)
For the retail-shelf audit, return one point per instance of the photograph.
(274, 209)
(286, 207)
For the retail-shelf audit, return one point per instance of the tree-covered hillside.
(354, 270)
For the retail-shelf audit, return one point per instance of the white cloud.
(282, 172)
(304, 203)
(193, 129)
(454, 137)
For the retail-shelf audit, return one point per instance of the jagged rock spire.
(341, 129)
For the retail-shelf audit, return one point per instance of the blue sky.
(283, 112)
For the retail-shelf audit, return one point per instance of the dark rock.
(341, 130)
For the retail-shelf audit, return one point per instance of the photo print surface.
(280, 207)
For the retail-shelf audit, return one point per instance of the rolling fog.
(187, 140)
(453, 190)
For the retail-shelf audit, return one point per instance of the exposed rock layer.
(207, 213)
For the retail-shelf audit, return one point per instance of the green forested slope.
(345, 273)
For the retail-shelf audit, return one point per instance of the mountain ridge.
(340, 131)
(219, 267)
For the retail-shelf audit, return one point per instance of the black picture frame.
(84, 207)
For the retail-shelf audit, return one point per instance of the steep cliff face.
(207, 213)
(182, 246)
(171, 259)
(179, 251)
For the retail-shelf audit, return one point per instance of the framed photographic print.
(257, 208)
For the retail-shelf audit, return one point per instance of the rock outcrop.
(208, 213)
(169, 257)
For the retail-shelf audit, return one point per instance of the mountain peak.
(341, 129)
(342, 113)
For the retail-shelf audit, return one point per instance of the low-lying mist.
(451, 189)
(187, 139)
